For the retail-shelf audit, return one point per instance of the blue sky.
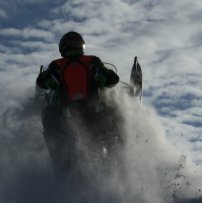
(165, 35)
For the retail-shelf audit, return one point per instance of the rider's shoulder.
(58, 62)
(92, 58)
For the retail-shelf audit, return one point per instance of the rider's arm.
(105, 77)
(49, 79)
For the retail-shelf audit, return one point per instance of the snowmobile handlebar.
(115, 68)
(41, 69)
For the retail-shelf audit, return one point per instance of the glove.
(111, 78)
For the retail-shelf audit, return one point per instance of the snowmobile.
(83, 135)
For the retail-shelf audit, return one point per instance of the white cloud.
(36, 33)
(25, 2)
(10, 32)
(45, 24)
(27, 33)
(3, 14)
(3, 48)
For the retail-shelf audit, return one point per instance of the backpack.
(75, 76)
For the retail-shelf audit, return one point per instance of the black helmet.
(71, 41)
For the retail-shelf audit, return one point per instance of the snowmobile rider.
(75, 76)
(73, 83)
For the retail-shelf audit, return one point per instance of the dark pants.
(57, 139)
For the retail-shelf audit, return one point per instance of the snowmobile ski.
(136, 79)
